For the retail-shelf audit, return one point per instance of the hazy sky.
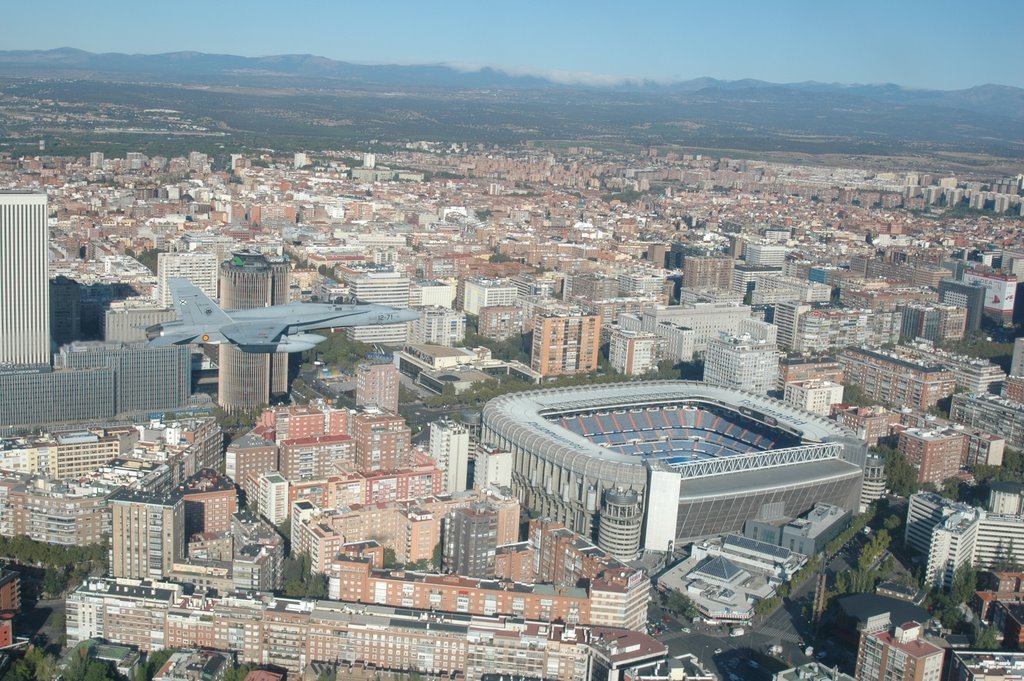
(934, 44)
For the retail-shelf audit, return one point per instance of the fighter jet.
(277, 328)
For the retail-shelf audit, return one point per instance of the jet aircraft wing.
(255, 332)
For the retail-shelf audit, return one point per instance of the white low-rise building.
(815, 396)
(726, 576)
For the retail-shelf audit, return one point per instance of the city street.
(732, 658)
(746, 657)
(44, 623)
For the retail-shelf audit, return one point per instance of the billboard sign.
(1000, 290)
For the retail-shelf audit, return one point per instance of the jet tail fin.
(195, 307)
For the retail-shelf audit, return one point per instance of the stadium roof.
(532, 410)
(766, 479)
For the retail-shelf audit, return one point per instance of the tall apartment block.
(384, 288)
(471, 541)
(949, 534)
(586, 286)
(297, 635)
(565, 344)
(991, 413)
(707, 272)
(377, 385)
(247, 379)
(24, 279)
(147, 534)
(65, 310)
(935, 454)
(449, 446)
(937, 323)
(772, 255)
(898, 654)
(438, 326)
(1017, 361)
(787, 316)
(383, 441)
(500, 321)
(742, 363)
(634, 353)
(479, 292)
(896, 381)
(701, 321)
(249, 457)
(198, 268)
(971, 297)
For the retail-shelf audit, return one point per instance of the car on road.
(686, 630)
(718, 651)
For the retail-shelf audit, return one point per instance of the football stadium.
(648, 466)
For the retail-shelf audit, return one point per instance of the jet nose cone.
(408, 315)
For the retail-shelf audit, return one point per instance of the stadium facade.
(648, 466)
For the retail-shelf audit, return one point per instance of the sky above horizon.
(940, 44)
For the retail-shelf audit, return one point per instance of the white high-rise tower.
(449, 445)
(199, 268)
(24, 279)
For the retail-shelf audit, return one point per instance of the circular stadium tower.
(647, 466)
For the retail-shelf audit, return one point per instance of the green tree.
(680, 603)
(1011, 470)
(856, 581)
(900, 475)
(55, 580)
(35, 665)
(237, 673)
(149, 258)
(986, 638)
(390, 561)
(854, 394)
(58, 622)
(339, 351)
(950, 489)
(84, 668)
(873, 549)
(965, 583)
(947, 610)
(154, 661)
(21, 549)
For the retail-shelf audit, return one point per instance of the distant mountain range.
(300, 69)
(489, 104)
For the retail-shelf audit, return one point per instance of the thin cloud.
(560, 76)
